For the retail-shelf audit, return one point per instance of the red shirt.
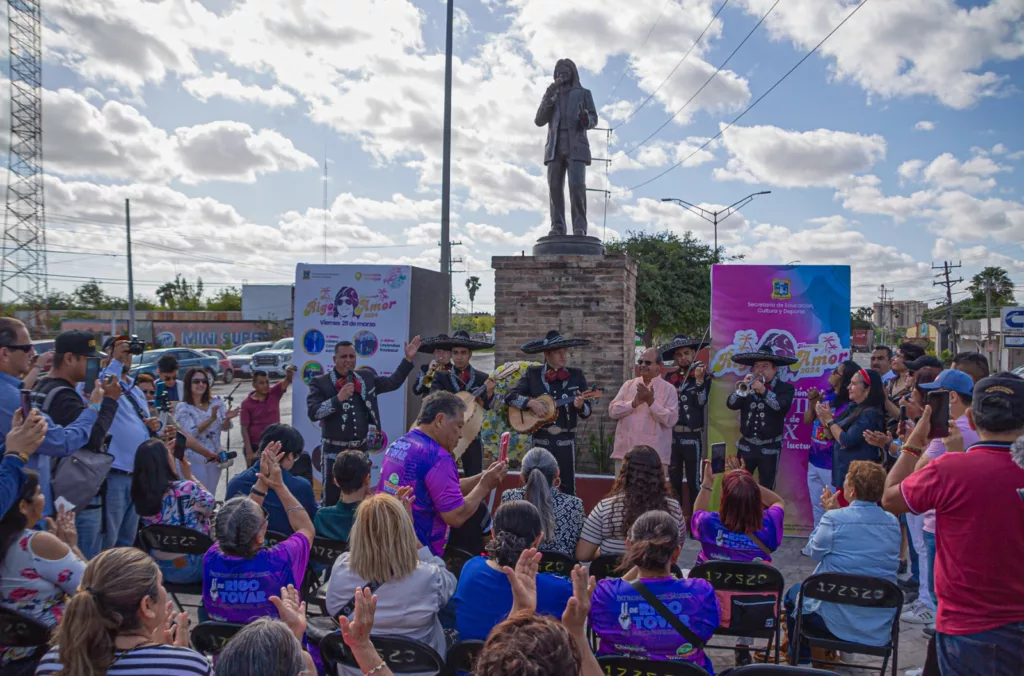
(979, 536)
(259, 415)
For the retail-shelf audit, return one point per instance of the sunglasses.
(199, 381)
(644, 362)
(22, 348)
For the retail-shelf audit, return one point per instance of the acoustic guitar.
(474, 415)
(525, 421)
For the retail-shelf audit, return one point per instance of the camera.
(136, 346)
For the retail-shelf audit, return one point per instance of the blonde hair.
(106, 605)
(382, 545)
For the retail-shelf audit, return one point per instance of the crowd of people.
(892, 495)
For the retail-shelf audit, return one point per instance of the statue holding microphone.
(568, 110)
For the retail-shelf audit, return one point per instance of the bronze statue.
(568, 110)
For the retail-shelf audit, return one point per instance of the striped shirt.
(154, 660)
(603, 526)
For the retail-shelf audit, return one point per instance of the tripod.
(230, 400)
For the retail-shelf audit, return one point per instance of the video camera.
(136, 346)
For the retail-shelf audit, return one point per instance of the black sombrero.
(681, 341)
(460, 339)
(765, 353)
(438, 342)
(552, 341)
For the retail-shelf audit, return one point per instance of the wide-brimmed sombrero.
(765, 353)
(553, 341)
(680, 341)
(461, 339)
(428, 345)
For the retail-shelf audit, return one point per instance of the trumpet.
(428, 378)
(743, 386)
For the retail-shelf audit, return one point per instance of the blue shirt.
(243, 482)
(484, 598)
(862, 539)
(59, 442)
(128, 431)
(12, 477)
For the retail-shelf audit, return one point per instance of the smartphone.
(718, 458)
(92, 374)
(179, 446)
(26, 404)
(902, 422)
(939, 402)
(503, 446)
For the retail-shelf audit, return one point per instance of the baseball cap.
(923, 361)
(955, 381)
(109, 342)
(1004, 386)
(76, 342)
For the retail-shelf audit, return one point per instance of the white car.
(274, 360)
(241, 356)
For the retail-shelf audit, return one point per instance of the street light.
(713, 216)
(446, 160)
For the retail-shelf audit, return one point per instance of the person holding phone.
(865, 412)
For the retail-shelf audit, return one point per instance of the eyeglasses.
(200, 382)
(644, 362)
(22, 348)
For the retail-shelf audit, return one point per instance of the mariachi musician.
(763, 400)
(693, 383)
(441, 362)
(462, 377)
(559, 381)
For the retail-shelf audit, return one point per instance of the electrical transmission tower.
(23, 267)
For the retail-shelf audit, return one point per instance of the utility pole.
(446, 159)
(881, 313)
(948, 283)
(450, 270)
(988, 318)
(131, 284)
(716, 217)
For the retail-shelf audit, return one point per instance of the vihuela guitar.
(474, 415)
(525, 421)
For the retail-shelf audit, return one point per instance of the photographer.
(56, 396)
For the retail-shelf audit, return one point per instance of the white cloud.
(219, 84)
(862, 194)
(233, 151)
(974, 175)
(792, 159)
(924, 125)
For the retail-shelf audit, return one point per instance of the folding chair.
(747, 586)
(556, 563)
(619, 666)
(402, 655)
(272, 538)
(862, 591)
(322, 556)
(209, 638)
(455, 559)
(607, 566)
(19, 631)
(774, 670)
(182, 542)
(462, 656)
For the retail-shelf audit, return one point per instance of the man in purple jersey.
(422, 459)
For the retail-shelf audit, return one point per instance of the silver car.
(275, 359)
(241, 357)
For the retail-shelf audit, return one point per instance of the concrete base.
(568, 245)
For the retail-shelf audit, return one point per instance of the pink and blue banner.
(802, 311)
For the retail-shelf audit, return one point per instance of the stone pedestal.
(586, 296)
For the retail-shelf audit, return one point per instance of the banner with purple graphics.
(802, 311)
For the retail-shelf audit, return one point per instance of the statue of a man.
(568, 110)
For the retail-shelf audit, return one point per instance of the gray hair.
(265, 647)
(1017, 451)
(440, 403)
(539, 468)
(236, 525)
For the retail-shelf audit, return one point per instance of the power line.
(636, 51)
(672, 72)
(708, 81)
(751, 106)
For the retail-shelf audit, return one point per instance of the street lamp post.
(446, 161)
(716, 217)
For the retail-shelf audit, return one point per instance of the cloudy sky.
(897, 145)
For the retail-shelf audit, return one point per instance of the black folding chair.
(754, 587)
(627, 666)
(323, 554)
(862, 591)
(180, 541)
(19, 631)
(272, 538)
(462, 656)
(607, 566)
(455, 559)
(209, 638)
(402, 655)
(774, 670)
(556, 563)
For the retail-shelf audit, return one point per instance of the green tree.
(998, 280)
(181, 294)
(225, 300)
(472, 285)
(673, 286)
(860, 318)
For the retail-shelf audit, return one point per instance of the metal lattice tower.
(23, 267)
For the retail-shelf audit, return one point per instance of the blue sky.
(897, 145)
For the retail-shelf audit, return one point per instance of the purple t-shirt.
(628, 625)
(719, 544)
(417, 460)
(238, 590)
(820, 454)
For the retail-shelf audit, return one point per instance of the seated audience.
(866, 412)
(639, 487)
(411, 586)
(484, 596)
(239, 574)
(38, 570)
(117, 624)
(162, 498)
(292, 445)
(978, 517)
(268, 647)
(561, 515)
(627, 625)
(352, 476)
(861, 539)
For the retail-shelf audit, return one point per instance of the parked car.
(226, 370)
(242, 355)
(275, 359)
(187, 358)
(1019, 371)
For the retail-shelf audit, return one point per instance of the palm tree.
(996, 279)
(472, 285)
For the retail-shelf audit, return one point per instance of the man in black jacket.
(693, 384)
(442, 361)
(343, 402)
(763, 400)
(561, 383)
(462, 377)
(56, 396)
